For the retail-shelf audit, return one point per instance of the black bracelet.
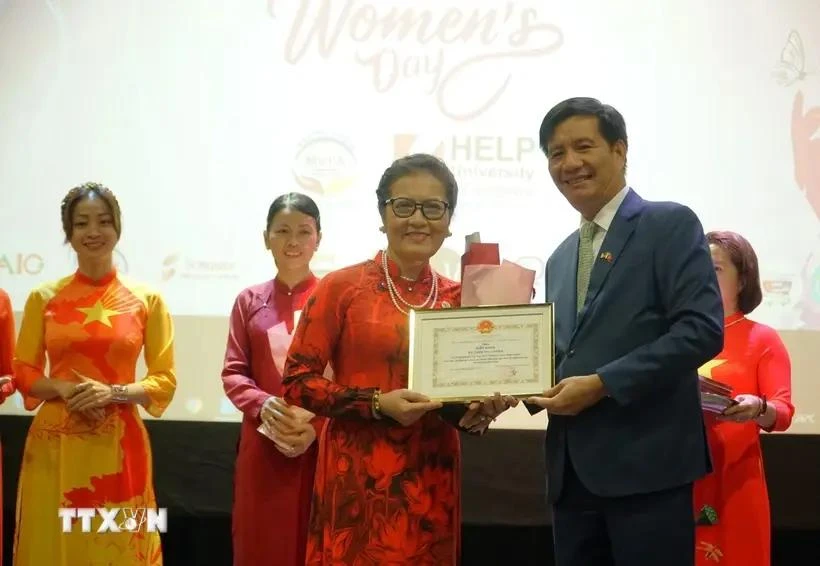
(763, 406)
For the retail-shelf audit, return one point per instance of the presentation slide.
(198, 113)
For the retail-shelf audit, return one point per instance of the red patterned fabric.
(384, 493)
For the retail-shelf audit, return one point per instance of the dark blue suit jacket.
(653, 315)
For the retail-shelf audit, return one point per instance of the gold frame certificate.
(469, 353)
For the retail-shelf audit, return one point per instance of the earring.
(449, 233)
(381, 229)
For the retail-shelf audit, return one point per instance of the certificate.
(469, 353)
(715, 396)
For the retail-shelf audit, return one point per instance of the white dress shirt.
(604, 219)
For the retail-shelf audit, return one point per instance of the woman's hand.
(748, 407)
(89, 394)
(65, 389)
(480, 414)
(288, 426)
(6, 387)
(297, 442)
(405, 406)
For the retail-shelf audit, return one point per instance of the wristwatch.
(119, 393)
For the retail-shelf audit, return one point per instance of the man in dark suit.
(637, 311)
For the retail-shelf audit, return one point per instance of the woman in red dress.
(388, 476)
(274, 468)
(7, 333)
(732, 503)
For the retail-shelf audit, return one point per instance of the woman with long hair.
(76, 360)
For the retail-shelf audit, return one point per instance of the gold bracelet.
(375, 406)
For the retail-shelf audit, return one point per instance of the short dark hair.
(294, 201)
(743, 257)
(413, 165)
(88, 191)
(611, 124)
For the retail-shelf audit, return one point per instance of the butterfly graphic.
(792, 64)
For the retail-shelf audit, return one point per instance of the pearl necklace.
(395, 296)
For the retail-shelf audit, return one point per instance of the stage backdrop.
(198, 113)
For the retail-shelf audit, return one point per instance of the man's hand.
(571, 395)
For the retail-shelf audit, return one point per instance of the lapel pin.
(606, 256)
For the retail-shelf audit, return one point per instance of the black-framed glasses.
(432, 209)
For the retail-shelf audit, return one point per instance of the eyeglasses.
(405, 207)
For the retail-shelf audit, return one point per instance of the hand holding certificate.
(495, 343)
(404, 406)
(715, 397)
(467, 354)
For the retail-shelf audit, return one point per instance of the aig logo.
(21, 264)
